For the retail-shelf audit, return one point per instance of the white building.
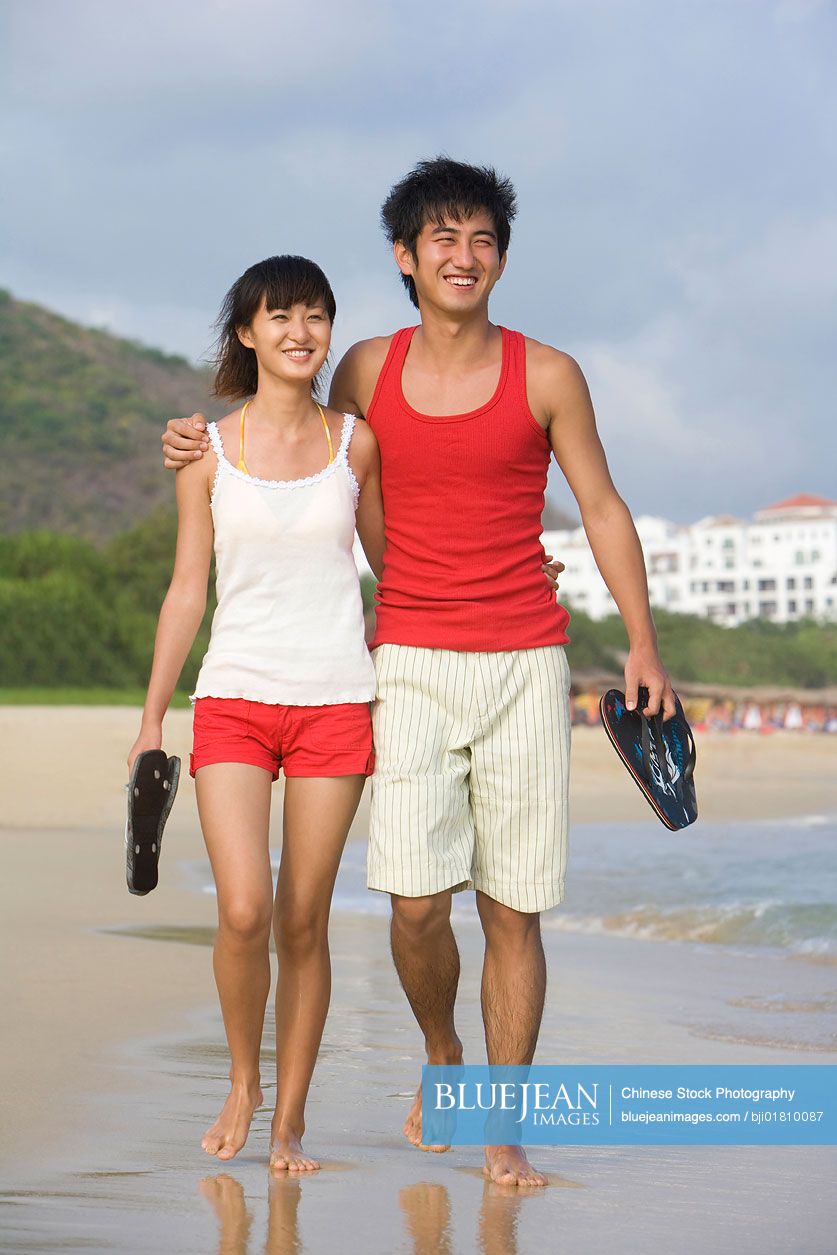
(781, 565)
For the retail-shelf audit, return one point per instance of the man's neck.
(446, 343)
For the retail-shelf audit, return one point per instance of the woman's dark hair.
(442, 188)
(282, 282)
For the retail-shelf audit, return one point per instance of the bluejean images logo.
(630, 1104)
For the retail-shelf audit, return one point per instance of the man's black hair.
(443, 189)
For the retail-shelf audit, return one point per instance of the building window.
(731, 610)
(799, 557)
(815, 555)
(808, 582)
(791, 607)
(809, 606)
(726, 586)
(767, 586)
(791, 583)
(767, 608)
(745, 585)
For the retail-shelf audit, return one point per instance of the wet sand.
(114, 1058)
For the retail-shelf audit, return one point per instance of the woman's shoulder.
(358, 439)
(348, 425)
(229, 425)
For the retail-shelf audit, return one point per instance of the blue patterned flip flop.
(660, 755)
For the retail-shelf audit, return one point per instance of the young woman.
(287, 678)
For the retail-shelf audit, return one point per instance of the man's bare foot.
(508, 1165)
(412, 1128)
(286, 1153)
(229, 1132)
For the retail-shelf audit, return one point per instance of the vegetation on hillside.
(75, 615)
(81, 413)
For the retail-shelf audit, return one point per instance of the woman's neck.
(283, 404)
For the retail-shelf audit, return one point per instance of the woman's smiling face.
(290, 344)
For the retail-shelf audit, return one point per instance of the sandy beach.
(114, 1056)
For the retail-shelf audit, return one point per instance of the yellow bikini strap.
(328, 434)
(241, 464)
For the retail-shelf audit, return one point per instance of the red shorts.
(303, 740)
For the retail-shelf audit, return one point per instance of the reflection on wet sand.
(226, 1197)
(426, 1209)
(425, 1206)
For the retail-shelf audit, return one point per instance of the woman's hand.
(150, 738)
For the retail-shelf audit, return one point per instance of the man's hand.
(552, 570)
(645, 670)
(184, 441)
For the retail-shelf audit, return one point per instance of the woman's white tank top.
(289, 627)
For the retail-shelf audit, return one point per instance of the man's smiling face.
(456, 263)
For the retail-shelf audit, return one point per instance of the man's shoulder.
(543, 359)
(553, 380)
(357, 373)
(365, 354)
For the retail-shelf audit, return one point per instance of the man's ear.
(405, 260)
(503, 261)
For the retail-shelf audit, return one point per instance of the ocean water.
(748, 886)
(763, 883)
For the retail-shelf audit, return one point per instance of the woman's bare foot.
(229, 1132)
(508, 1165)
(286, 1153)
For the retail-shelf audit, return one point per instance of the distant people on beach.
(726, 715)
(287, 679)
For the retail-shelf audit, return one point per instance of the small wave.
(786, 1003)
(825, 1044)
(806, 930)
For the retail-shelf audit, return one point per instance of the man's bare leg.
(234, 807)
(513, 991)
(427, 962)
(318, 812)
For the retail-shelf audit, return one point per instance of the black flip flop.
(660, 755)
(151, 792)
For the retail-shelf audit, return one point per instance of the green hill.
(81, 413)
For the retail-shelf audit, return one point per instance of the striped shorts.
(472, 773)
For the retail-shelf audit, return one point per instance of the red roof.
(801, 499)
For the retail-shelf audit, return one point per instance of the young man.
(471, 718)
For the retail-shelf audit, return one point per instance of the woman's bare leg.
(234, 807)
(317, 816)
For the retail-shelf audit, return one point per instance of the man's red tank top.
(463, 498)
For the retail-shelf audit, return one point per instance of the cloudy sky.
(675, 163)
